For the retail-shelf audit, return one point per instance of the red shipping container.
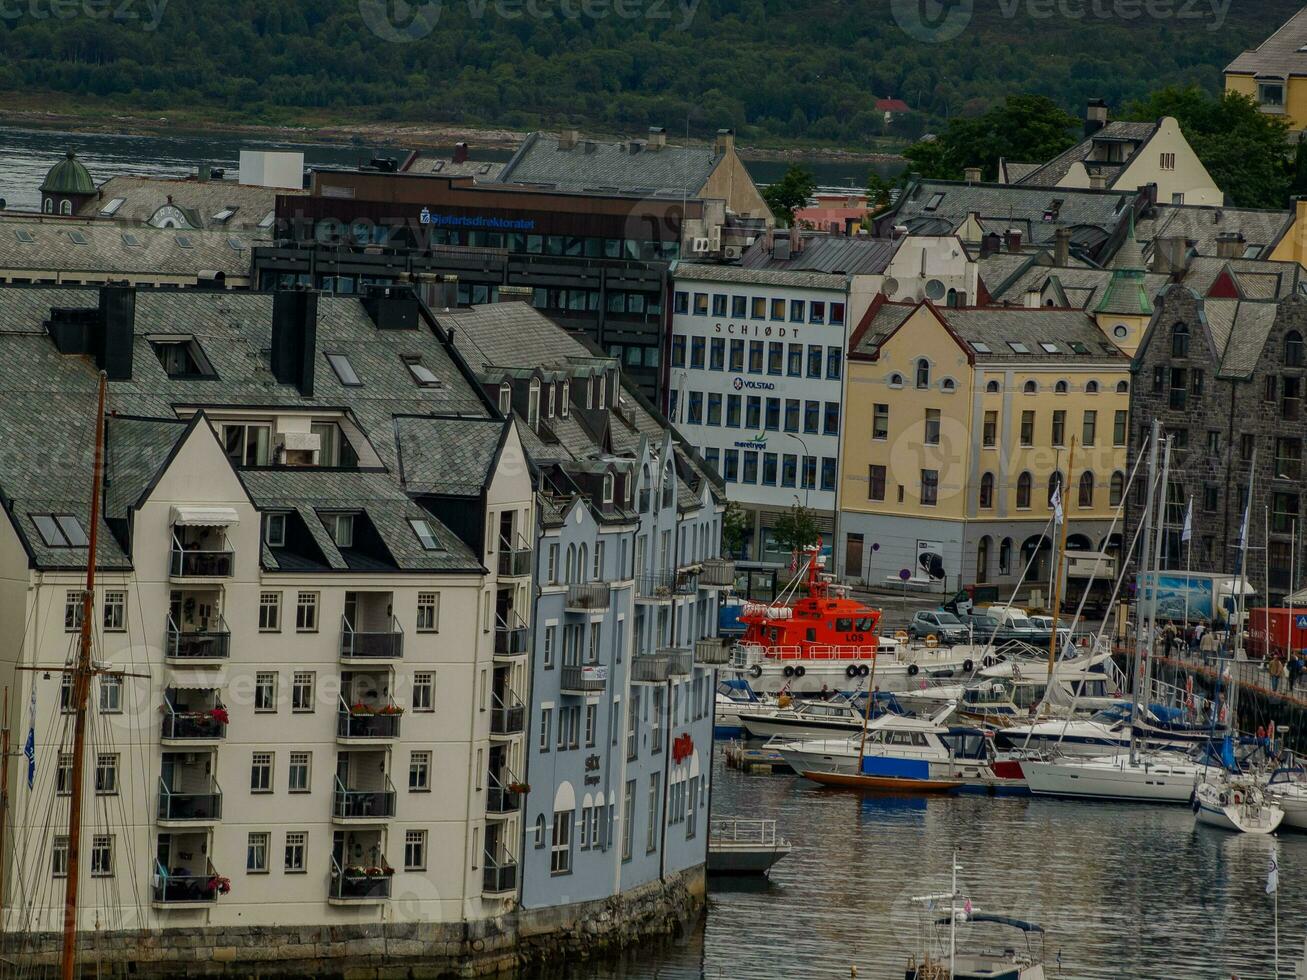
(1279, 631)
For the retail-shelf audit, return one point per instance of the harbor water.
(1123, 891)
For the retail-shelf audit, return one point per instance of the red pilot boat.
(824, 641)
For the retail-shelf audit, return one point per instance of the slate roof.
(834, 254)
(47, 402)
(1051, 173)
(1279, 54)
(591, 165)
(199, 200)
(452, 456)
(705, 272)
(1202, 227)
(484, 171)
(68, 245)
(1016, 172)
(1256, 279)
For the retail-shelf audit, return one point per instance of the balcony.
(712, 652)
(195, 563)
(579, 679)
(680, 661)
(196, 646)
(512, 636)
(387, 644)
(501, 796)
(507, 715)
(181, 890)
(499, 877)
(367, 722)
(717, 573)
(586, 597)
(514, 562)
(357, 884)
(651, 668)
(363, 805)
(189, 808)
(655, 587)
(193, 717)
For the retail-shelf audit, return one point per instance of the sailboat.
(1227, 797)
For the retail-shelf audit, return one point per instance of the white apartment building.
(313, 523)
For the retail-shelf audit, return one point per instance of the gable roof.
(200, 200)
(448, 456)
(630, 166)
(1280, 54)
(832, 254)
(1053, 172)
(1203, 225)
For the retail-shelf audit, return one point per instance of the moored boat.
(1238, 802)
(1162, 777)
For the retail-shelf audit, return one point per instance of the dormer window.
(247, 443)
(505, 399)
(274, 530)
(341, 529)
(426, 535)
(610, 484)
(333, 448)
(549, 406)
(567, 399)
(182, 357)
(603, 390)
(422, 374)
(590, 393)
(533, 405)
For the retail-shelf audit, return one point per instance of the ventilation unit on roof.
(700, 246)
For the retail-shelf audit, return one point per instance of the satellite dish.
(890, 287)
(935, 290)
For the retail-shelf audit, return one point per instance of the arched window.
(1023, 491)
(1061, 388)
(505, 399)
(993, 388)
(1031, 388)
(66, 207)
(896, 380)
(1180, 340)
(48, 207)
(1123, 387)
(609, 485)
(1054, 482)
(1086, 489)
(533, 405)
(1293, 349)
(987, 491)
(1005, 557)
(982, 560)
(1091, 387)
(540, 832)
(948, 384)
(1116, 489)
(569, 564)
(583, 564)
(923, 373)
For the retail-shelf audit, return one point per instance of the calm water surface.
(1123, 891)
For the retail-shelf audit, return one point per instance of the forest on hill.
(774, 70)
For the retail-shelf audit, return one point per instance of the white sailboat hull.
(1228, 807)
(1150, 780)
(1292, 799)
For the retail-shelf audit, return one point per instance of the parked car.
(982, 627)
(942, 625)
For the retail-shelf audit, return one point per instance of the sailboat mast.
(1145, 563)
(1240, 602)
(1059, 557)
(81, 683)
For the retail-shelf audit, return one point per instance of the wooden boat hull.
(883, 784)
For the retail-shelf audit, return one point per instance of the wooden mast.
(1059, 556)
(82, 672)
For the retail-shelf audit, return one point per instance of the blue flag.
(29, 749)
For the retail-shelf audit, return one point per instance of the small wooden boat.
(885, 784)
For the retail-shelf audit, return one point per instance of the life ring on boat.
(968, 666)
(800, 670)
(863, 670)
(851, 671)
(755, 671)
(913, 670)
(901, 636)
(932, 641)
(788, 671)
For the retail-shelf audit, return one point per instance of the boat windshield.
(1110, 716)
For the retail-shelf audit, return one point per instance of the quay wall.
(524, 940)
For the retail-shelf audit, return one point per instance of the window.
(265, 691)
(591, 720)
(792, 408)
(111, 694)
(834, 363)
(115, 611)
(269, 612)
(1211, 497)
(923, 373)
(1284, 514)
(929, 488)
(880, 422)
(717, 354)
(60, 530)
(1091, 387)
(415, 850)
(1119, 427)
(72, 611)
(426, 535)
(106, 774)
(247, 444)
(794, 361)
(756, 350)
(1288, 459)
(101, 856)
(560, 856)
(1180, 340)
(428, 620)
(932, 427)
(296, 844)
(1027, 429)
(182, 357)
(301, 691)
(274, 530)
(814, 361)
(505, 399)
(700, 304)
(987, 491)
(1159, 379)
(1061, 388)
(831, 425)
(341, 529)
(66, 693)
(63, 777)
(737, 356)
(257, 845)
(419, 772)
(681, 302)
(812, 417)
(739, 307)
(1116, 490)
(1031, 388)
(651, 835)
(1086, 499)
(1023, 491)
(1167, 161)
(775, 358)
(1293, 349)
(1058, 434)
(299, 772)
(306, 612)
(989, 432)
(1270, 94)
(772, 422)
(1247, 443)
(546, 724)
(261, 772)
(59, 857)
(345, 372)
(1089, 430)
(697, 348)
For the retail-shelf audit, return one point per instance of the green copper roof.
(1126, 294)
(68, 177)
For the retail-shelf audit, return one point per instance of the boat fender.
(789, 671)
(1193, 801)
(1237, 799)
(755, 671)
(800, 670)
(913, 670)
(863, 670)
(989, 661)
(1225, 800)
(851, 671)
(968, 666)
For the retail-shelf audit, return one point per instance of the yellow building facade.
(958, 424)
(1275, 73)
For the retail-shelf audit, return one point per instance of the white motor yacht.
(1151, 777)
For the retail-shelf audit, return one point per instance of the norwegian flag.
(794, 560)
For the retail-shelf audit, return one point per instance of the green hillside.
(775, 70)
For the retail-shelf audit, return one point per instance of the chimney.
(1229, 245)
(294, 338)
(1171, 257)
(991, 244)
(1032, 299)
(1095, 117)
(392, 307)
(513, 294)
(1013, 240)
(1098, 182)
(973, 175)
(796, 240)
(448, 292)
(633, 147)
(113, 347)
(460, 153)
(657, 138)
(428, 289)
(567, 139)
(1062, 248)
(725, 141)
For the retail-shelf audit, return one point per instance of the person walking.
(1295, 670)
(1276, 669)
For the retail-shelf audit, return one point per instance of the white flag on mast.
(1056, 502)
(1188, 531)
(1273, 877)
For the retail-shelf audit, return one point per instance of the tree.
(878, 191)
(796, 529)
(790, 192)
(1245, 150)
(735, 527)
(1026, 128)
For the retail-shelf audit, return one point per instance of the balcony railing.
(197, 807)
(355, 882)
(514, 562)
(717, 573)
(583, 679)
(194, 563)
(363, 804)
(507, 716)
(208, 644)
(368, 722)
(512, 636)
(200, 725)
(655, 586)
(371, 645)
(712, 652)
(651, 668)
(587, 597)
(499, 877)
(679, 661)
(500, 795)
(186, 889)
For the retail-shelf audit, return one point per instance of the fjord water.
(1123, 891)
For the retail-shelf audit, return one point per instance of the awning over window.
(193, 680)
(205, 516)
